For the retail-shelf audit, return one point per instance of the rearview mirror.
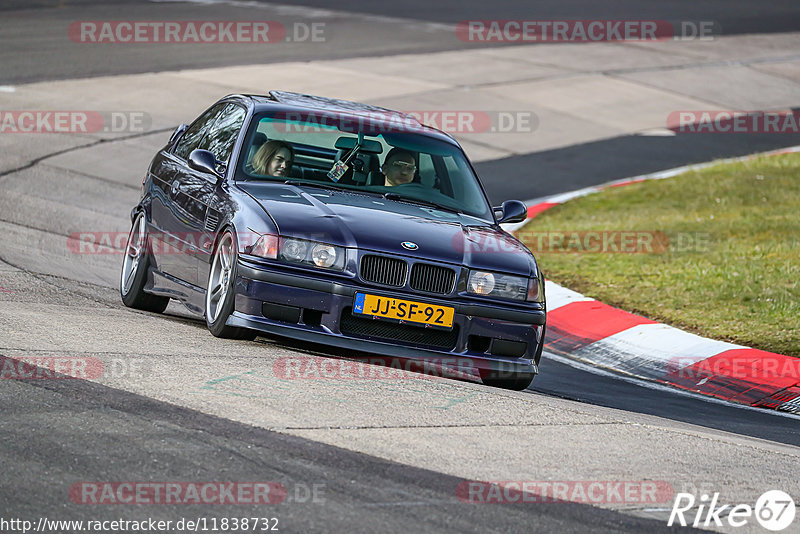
(204, 161)
(512, 211)
(368, 145)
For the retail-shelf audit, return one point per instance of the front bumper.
(492, 338)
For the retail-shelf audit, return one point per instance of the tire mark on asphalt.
(92, 177)
(39, 159)
(46, 278)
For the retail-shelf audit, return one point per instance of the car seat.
(360, 167)
(258, 140)
(376, 177)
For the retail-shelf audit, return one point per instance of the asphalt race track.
(566, 169)
(30, 52)
(176, 404)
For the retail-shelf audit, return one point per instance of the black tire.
(538, 356)
(135, 266)
(505, 380)
(222, 278)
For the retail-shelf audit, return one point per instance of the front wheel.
(134, 271)
(220, 292)
(538, 356)
(506, 380)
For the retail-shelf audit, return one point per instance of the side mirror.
(512, 211)
(177, 134)
(204, 161)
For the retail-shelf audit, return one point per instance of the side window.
(194, 134)
(427, 172)
(221, 137)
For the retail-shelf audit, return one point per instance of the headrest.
(259, 139)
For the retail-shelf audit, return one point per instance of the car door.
(168, 236)
(197, 191)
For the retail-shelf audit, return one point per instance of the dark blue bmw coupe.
(339, 223)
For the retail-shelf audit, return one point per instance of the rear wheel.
(220, 292)
(134, 271)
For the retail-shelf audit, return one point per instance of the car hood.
(373, 223)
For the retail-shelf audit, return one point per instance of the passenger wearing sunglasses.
(399, 167)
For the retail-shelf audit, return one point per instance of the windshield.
(370, 155)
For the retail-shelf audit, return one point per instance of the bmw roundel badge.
(409, 245)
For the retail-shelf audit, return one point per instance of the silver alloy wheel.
(134, 251)
(219, 279)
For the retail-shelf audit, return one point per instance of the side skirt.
(165, 285)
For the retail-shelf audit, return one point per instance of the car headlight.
(481, 283)
(323, 256)
(311, 253)
(294, 250)
(498, 285)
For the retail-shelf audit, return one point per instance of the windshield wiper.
(421, 202)
(331, 187)
(309, 183)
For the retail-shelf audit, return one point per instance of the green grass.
(739, 284)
